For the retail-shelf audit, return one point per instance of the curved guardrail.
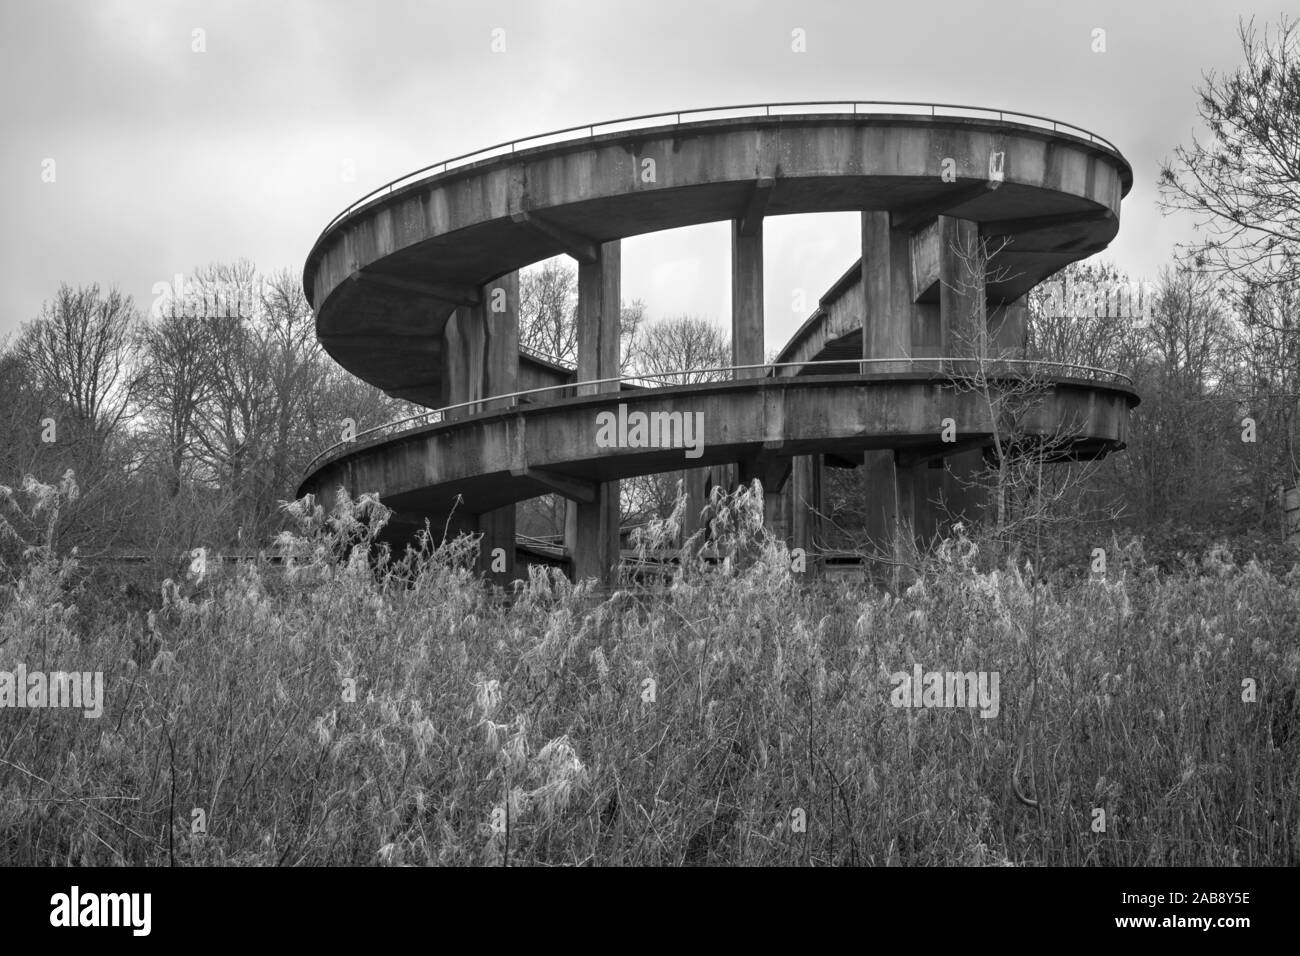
(960, 367)
(855, 107)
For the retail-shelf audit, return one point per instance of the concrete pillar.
(909, 504)
(805, 495)
(591, 529)
(887, 305)
(886, 333)
(880, 517)
(496, 547)
(501, 333)
(498, 316)
(695, 484)
(927, 493)
(480, 359)
(463, 339)
(963, 318)
(747, 326)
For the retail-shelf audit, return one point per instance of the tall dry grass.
(488, 730)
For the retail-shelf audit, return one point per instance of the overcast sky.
(165, 159)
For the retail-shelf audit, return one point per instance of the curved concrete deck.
(385, 279)
(493, 459)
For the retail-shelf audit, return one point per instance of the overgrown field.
(742, 716)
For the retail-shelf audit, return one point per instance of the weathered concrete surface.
(480, 359)
(591, 526)
(390, 274)
(496, 458)
(403, 289)
(747, 297)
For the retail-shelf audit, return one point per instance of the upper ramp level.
(386, 274)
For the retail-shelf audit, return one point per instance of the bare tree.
(1026, 499)
(1244, 182)
(1264, 373)
(548, 310)
(1090, 314)
(548, 297)
(75, 360)
(683, 344)
(175, 382)
(77, 353)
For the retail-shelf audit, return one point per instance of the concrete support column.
(881, 507)
(480, 359)
(501, 338)
(805, 495)
(695, 484)
(498, 316)
(963, 319)
(463, 340)
(905, 516)
(747, 326)
(886, 292)
(591, 529)
(886, 333)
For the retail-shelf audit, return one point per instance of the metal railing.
(856, 107)
(954, 367)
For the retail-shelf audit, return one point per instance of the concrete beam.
(750, 222)
(582, 248)
(924, 249)
(912, 217)
(566, 486)
(907, 457)
(1033, 224)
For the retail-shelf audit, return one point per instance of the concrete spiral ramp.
(415, 290)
